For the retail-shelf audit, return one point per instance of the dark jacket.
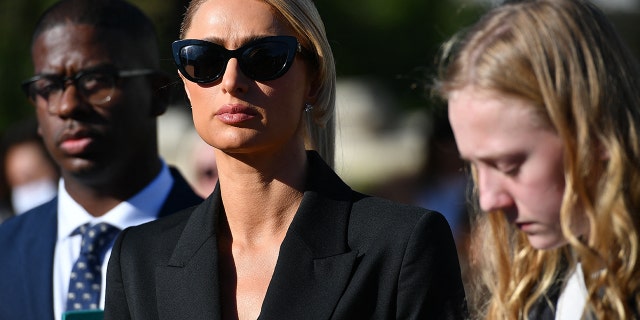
(27, 245)
(345, 256)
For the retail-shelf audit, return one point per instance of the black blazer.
(27, 245)
(345, 256)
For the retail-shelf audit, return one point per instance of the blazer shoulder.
(388, 211)
(157, 239)
(375, 218)
(167, 224)
(30, 224)
(152, 242)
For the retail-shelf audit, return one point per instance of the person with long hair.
(281, 236)
(544, 103)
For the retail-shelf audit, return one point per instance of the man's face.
(89, 140)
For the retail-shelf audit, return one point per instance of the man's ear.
(161, 93)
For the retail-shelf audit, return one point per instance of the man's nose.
(67, 102)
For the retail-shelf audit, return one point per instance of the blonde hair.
(564, 57)
(304, 19)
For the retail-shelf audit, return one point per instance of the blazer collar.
(313, 266)
(315, 261)
(187, 286)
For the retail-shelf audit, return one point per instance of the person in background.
(440, 183)
(206, 171)
(199, 164)
(97, 93)
(281, 236)
(544, 104)
(30, 176)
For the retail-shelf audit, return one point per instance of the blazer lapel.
(39, 254)
(188, 286)
(315, 262)
(313, 268)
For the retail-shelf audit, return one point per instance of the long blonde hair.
(304, 19)
(564, 57)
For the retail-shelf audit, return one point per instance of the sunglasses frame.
(293, 47)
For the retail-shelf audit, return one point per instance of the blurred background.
(384, 49)
(393, 137)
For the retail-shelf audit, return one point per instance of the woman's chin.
(546, 242)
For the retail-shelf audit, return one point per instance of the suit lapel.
(315, 262)
(192, 271)
(313, 267)
(39, 254)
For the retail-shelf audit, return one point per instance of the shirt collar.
(140, 208)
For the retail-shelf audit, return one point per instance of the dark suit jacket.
(345, 256)
(27, 244)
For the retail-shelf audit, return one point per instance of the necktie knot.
(97, 238)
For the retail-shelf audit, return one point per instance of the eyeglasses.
(261, 60)
(96, 86)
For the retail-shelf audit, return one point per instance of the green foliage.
(391, 40)
(17, 18)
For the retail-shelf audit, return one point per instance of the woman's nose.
(492, 190)
(233, 80)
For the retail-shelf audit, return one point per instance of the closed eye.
(510, 165)
(510, 170)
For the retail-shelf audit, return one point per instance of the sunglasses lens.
(202, 63)
(261, 60)
(266, 61)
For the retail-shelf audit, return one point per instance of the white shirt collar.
(573, 297)
(140, 208)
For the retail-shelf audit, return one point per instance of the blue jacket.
(27, 245)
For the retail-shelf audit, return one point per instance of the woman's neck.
(260, 198)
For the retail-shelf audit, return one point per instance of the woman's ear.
(313, 90)
(161, 93)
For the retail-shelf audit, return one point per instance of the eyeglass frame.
(73, 79)
(178, 45)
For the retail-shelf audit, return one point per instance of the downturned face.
(518, 161)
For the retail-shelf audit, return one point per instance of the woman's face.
(235, 113)
(517, 158)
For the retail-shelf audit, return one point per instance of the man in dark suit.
(97, 93)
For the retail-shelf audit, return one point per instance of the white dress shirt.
(142, 207)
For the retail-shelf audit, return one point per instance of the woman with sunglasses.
(544, 104)
(281, 236)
